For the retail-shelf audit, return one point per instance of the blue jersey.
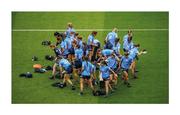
(116, 48)
(111, 37)
(105, 70)
(87, 68)
(125, 38)
(78, 53)
(85, 51)
(128, 45)
(126, 62)
(133, 53)
(80, 43)
(71, 38)
(68, 31)
(106, 52)
(112, 62)
(64, 46)
(68, 41)
(90, 39)
(64, 63)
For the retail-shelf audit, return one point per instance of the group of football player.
(89, 62)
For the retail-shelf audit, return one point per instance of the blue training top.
(64, 63)
(87, 68)
(105, 70)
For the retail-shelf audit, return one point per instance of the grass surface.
(151, 87)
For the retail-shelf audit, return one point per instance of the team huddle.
(91, 63)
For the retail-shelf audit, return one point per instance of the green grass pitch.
(151, 87)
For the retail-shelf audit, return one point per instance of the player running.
(133, 54)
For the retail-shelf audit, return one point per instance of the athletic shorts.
(85, 77)
(90, 47)
(109, 45)
(69, 70)
(123, 69)
(105, 79)
(71, 51)
(125, 50)
(114, 69)
(77, 64)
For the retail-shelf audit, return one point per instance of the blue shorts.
(123, 69)
(125, 50)
(133, 58)
(77, 64)
(71, 51)
(106, 79)
(114, 69)
(85, 76)
(69, 70)
(57, 52)
(108, 45)
(90, 47)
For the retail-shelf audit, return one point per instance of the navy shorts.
(57, 52)
(105, 79)
(77, 64)
(114, 69)
(125, 50)
(123, 69)
(69, 70)
(86, 77)
(90, 47)
(71, 51)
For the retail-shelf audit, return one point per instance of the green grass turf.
(151, 87)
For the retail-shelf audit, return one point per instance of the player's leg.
(54, 71)
(133, 70)
(126, 79)
(69, 56)
(77, 69)
(106, 87)
(94, 78)
(81, 85)
(111, 81)
(75, 73)
(90, 55)
(90, 83)
(115, 80)
(111, 77)
(67, 78)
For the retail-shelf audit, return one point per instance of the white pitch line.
(84, 30)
